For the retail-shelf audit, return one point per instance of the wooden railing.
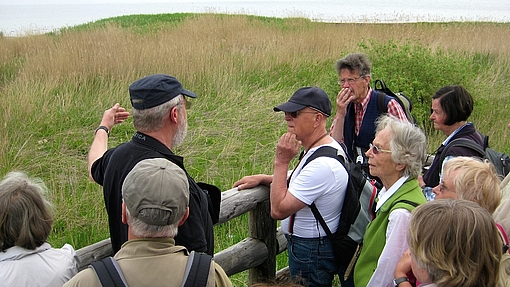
(257, 253)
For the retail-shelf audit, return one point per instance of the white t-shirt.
(44, 266)
(323, 181)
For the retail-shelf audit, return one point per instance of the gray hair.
(144, 230)
(355, 62)
(408, 143)
(150, 120)
(25, 215)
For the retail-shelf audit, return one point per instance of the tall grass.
(55, 87)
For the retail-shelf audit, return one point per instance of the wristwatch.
(104, 129)
(397, 281)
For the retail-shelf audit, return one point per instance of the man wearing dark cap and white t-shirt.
(322, 181)
(155, 202)
(159, 116)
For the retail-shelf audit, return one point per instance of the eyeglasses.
(296, 114)
(377, 150)
(349, 80)
(443, 188)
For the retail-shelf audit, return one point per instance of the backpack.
(403, 100)
(196, 273)
(356, 211)
(500, 160)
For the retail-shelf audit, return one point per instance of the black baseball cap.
(155, 90)
(312, 97)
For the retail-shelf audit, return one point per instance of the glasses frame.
(377, 150)
(443, 188)
(350, 81)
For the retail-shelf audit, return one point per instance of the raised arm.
(114, 115)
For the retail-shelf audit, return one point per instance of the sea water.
(25, 16)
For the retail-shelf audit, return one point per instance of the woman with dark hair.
(26, 259)
(451, 108)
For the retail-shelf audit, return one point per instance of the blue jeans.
(312, 261)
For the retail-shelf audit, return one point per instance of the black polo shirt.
(112, 168)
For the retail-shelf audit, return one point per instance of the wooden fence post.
(263, 228)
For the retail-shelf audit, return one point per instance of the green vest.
(375, 236)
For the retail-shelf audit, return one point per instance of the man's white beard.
(182, 129)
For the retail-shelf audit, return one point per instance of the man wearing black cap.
(322, 181)
(159, 116)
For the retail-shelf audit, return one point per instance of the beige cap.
(156, 191)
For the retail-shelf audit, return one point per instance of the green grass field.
(55, 87)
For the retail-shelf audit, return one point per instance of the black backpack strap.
(343, 224)
(197, 270)
(108, 272)
(319, 218)
(381, 107)
(325, 151)
(462, 142)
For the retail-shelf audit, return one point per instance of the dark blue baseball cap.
(312, 97)
(155, 90)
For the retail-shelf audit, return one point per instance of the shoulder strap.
(397, 205)
(412, 203)
(504, 237)
(381, 107)
(319, 218)
(325, 151)
(197, 270)
(462, 142)
(329, 152)
(108, 272)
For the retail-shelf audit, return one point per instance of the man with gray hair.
(155, 197)
(159, 116)
(357, 106)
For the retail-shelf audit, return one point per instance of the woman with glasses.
(471, 179)
(395, 157)
(451, 107)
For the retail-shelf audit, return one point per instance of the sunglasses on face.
(296, 114)
(377, 150)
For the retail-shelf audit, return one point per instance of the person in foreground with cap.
(159, 116)
(155, 202)
(323, 181)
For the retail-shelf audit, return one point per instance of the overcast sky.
(46, 2)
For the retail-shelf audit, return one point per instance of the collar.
(384, 194)
(365, 101)
(143, 246)
(148, 141)
(16, 252)
(447, 140)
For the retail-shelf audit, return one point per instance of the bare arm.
(283, 203)
(112, 116)
(252, 181)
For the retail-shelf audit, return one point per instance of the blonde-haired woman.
(471, 179)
